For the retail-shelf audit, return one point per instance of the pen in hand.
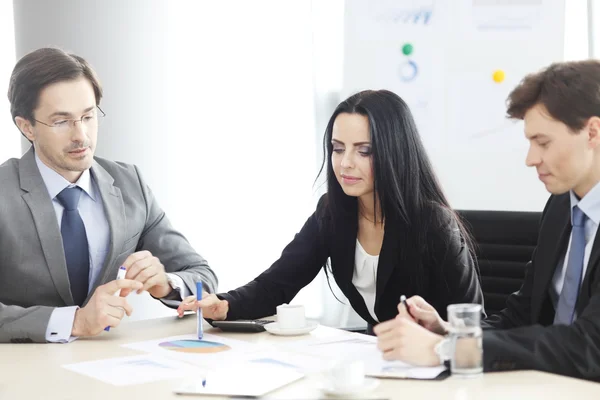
(120, 275)
(405, 304)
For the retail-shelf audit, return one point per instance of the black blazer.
(534, 343)
(450, 274)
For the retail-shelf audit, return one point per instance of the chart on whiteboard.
(454, 63)
(395, 45)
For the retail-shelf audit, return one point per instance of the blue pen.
(120, 275)
(199, 313)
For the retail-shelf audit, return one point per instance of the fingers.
(419, 313)
(391, 355)
(111, 321)
(115, 312)
(188, 304)
(120, 302)
(404, 312)
(384, 327)
(213, 307)
(419, 302)
(121, 284)
(133, 258)
(137, 267)
(393, 330)
(208, 301)
(389, 344)
(151, 281)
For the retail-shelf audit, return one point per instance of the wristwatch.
(443, 350)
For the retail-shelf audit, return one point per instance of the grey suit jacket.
(33, 272)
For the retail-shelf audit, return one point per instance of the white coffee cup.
(347, 375)
(290, 316)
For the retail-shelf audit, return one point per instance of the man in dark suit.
(69, 220)
(553, 322)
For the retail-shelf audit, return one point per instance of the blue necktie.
(75, 244)
(565, 309)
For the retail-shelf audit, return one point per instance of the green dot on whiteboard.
(407, 49)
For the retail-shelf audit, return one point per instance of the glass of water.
(466, 359)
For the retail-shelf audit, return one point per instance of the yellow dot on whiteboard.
(498, 76)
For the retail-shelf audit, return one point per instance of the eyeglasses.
(67, 125)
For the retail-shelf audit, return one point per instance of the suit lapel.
(346, 229)
(114, 208)
(556, 241)
(44, 217)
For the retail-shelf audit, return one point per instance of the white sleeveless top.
(364, 277)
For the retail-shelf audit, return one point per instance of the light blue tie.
(565, 309)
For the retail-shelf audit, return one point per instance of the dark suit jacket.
(450, 275)
(533, 342)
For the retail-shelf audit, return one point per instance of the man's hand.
(404, 340)
(147, 269)
(104, 309)
(212, 307)
(423, 314)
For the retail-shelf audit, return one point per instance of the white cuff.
(178, 286)
(60, 325)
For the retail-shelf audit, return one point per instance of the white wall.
(242, 130)
(9, 134)
(214, 103)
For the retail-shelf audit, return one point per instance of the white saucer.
(274, 328)
(369, 385)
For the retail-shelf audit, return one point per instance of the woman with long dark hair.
(384, 224)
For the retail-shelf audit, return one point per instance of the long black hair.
(406, 190)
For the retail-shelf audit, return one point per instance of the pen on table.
(403, 301)
(199, 314)
(120, 275)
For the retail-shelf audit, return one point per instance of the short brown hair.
(570, 91)
(40, 68)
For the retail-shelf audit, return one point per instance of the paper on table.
(300, 362)
(378, 367)
(134, 369)
(353, 346)
(241, 380)
(346, 346)
(212, 350)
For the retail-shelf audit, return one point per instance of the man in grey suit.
(69, 220)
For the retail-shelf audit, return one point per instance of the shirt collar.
(589, 204)
(56, 183)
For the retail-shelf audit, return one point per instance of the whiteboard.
(454, 63)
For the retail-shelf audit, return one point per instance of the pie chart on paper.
(194, 346)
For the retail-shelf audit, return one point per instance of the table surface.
(35, 371)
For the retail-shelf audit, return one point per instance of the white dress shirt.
(364, 277)
(91, 210)
(590, 205)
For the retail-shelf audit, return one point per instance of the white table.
(33, 371)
